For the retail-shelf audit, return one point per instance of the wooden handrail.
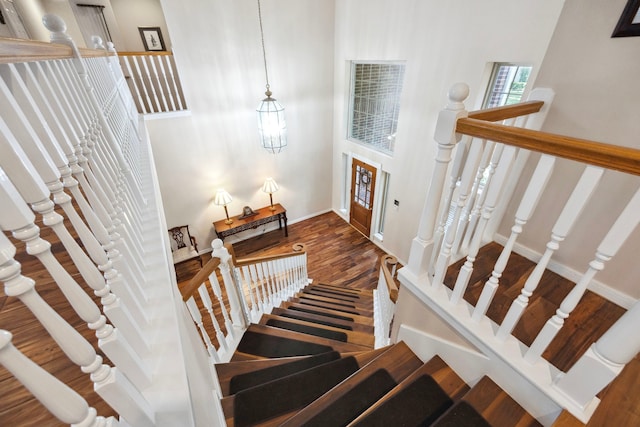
(507, 111)
(18, 50)
(148, 53)
(297, 249)
(197, 280)
(608, 156)
(385, 262)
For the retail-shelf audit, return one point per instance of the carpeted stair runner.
(418, 404)
(321, 320)
(321, 313)
(461, 414)
(318, 332)
(261, 376)
(273, 346)
(290, 392)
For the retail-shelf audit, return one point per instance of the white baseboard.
(600, 288)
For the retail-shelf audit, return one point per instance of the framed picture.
(629, 23)
(152, 38)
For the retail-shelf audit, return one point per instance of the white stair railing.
(384, 300)
(565, 389)
(70, 138)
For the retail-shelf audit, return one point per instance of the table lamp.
(270, 186)
(223, 198)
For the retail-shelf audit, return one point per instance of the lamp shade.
(222, 198)
(270, 186)
(272, 126)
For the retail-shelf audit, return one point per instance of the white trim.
(623, 300)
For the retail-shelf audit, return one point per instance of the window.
(375, 103)
(507, 84)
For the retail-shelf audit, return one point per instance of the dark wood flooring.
(337, 253)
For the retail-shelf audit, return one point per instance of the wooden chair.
(183, 245)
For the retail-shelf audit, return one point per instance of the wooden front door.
(363, 184)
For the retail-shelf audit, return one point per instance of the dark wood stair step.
(337, 293)
(289, 393)
(323, 320)
(408, 404)
(226, 371)
(343, 288)
(324, 311)
(342, 404)
(260, 341)
(336, 307)
(337, 296)
(496, 406)
(462, 414)
(316, 329)
(348, 305)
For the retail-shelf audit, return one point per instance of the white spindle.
(572, 209)
(63, 402)
(617, 235)
(208, 305)
(445, 136)
(197, 319)
(247, 280)
(217, 291)
(219, 251)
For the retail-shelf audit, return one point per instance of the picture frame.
(629, 23)
(152, 38)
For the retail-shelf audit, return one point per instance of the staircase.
(311, 362)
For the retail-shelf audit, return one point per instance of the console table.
(262, 216)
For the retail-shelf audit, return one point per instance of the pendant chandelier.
(272, 126)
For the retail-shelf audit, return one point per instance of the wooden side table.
(263, 216)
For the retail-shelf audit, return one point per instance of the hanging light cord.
(264, 53)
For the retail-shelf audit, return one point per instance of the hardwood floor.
(337, 253)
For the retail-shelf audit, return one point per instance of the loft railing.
(385, 297)
(484, 171)
(75, 157)
(152, 78)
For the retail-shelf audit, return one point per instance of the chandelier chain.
(264, 53)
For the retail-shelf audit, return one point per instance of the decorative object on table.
(262, 216)
(629, 23)
(270, 186)
(223, 198)
(183, 244)
(247, 212)
(271, 123)
(152, 38)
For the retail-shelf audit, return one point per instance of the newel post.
(604, 360)
(219, 251)
(446, 138)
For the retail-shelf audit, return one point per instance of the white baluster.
(572, 209)
(248, 281)
(114, 388)
(217, 291)
(197, 318)
(501, 164)
(526, 208)
(445, 135)
(206, 301)
(63, 402)
(219, 251)
(610, 245)
(468, 175)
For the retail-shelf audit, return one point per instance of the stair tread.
(462, 414)
(343, 288)
(337, 294)
(340, 308)
(363, 320)
(496, 406)
(349, 305)
(323, 320)
(397, 362)
(448, 381)
(266, 341)
(299, 386)
(288, 323)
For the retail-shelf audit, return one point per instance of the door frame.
(375, 214)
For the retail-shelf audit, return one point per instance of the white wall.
(596, 82)
(132, 14)
(219, 57)
(442, 43)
